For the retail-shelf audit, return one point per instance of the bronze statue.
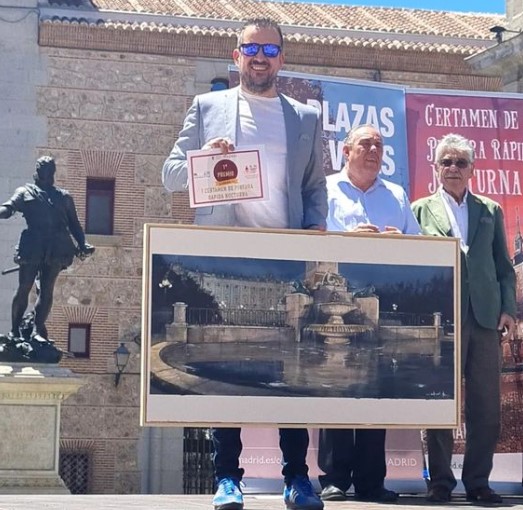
(45, 248)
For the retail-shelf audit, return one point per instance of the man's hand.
(392, 230)
(224, 144)
(85, 250)
(5, 212)
(366, 227)
(507, 323)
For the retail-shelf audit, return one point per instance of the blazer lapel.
(292, 131)
(230, 114)
(439, 213)
(474, 212)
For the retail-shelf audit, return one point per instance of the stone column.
(30, 403)
(180, 313)
(438, 334)
(370, 307)
(296, 309)
(177, 331)
(161, 453)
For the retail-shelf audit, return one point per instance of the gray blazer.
(215, 114)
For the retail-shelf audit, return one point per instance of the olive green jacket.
(488, 280)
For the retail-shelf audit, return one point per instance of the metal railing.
(406, 319)
(236, 317)
(198, 471)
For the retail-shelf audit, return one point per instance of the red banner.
(493, 123)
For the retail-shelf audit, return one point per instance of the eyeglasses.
(459, 163)
(252, 49)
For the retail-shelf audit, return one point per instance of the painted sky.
(358, 275)
(489, 6)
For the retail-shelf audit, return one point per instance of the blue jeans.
(228, 447)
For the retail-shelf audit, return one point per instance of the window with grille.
(99, 210)
(74, 471)
(79, 340)
(198, 470)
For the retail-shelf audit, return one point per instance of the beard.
(257, 85)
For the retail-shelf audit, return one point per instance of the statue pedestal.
(30, 400)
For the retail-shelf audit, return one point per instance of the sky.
(359, 275)
(489, 6)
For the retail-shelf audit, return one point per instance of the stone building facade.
(505, 59)
(234, 292)
(107, 98)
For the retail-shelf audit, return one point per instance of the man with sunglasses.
(255, 113)
(488, 311)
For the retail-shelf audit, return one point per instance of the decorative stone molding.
(44, 485)
(76, 445)
(30, 403)
(79, 314)
(28, 395)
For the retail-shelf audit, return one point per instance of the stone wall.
(514, 9)
(228, 334)
(116, 116)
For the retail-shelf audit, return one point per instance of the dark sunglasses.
(252, 49)
(459, 163)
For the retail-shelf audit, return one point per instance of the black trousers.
(352, 456)
(228, 446)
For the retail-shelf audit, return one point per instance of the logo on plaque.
(225, 172)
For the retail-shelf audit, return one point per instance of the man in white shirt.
(361, 201)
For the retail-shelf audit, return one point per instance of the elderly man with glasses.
(255, 113)
(488, 311)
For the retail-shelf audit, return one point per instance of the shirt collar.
(451, 200)
(376, 184)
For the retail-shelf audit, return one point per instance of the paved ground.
(175, 502)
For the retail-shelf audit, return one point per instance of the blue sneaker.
(228, 495)
(299, 495)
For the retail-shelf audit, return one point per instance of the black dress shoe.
(333, 493)
(484, 495)
(380, 495)
(438, 494)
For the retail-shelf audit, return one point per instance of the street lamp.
(498, 32)
(121, 358)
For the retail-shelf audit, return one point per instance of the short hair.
(454, 142)
(260, 23)
(45, 165)
(349, 139)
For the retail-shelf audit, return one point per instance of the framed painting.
(299, 328)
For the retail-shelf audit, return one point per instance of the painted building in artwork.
(103, 86)
(234, 292)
